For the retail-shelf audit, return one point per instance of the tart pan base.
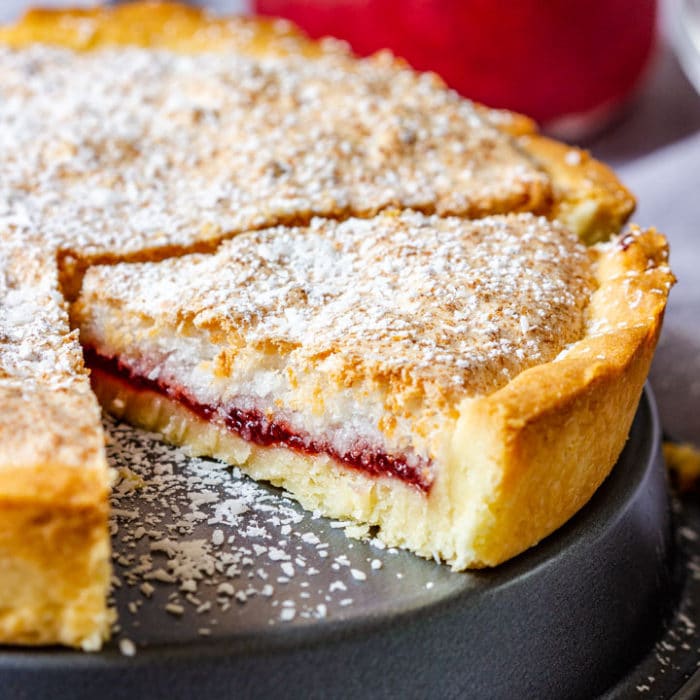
(566, 619)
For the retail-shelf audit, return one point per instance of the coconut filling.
(262, 405)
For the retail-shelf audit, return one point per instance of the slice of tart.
(54, 481)
(462, 386)
(150, 130)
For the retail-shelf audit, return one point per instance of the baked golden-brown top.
(121, 150)
(430, 306)
(48, 411)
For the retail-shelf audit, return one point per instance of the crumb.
(683, 462)
(127, 647)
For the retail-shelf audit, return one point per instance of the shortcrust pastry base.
(54, 562)
(318, 482)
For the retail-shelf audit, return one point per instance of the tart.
(153, 137)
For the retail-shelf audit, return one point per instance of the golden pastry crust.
(588, 197)
(512, 460)
(54, 552)
(581, 421)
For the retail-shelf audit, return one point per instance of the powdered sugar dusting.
(119, 150)
(36, 344)
(49, 414)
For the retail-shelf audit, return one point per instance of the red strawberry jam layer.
(254, 426)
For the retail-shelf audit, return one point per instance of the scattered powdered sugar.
(169, 558)
(127, 647)
(573, 157)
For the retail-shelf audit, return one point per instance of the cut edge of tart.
(54, 479)
(470, 469)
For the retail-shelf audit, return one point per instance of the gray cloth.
(668, 186)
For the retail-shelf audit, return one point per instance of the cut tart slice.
(463, 386)
(54, 481)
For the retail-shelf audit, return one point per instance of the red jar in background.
(567, 63)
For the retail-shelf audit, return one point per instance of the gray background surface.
(655, 149)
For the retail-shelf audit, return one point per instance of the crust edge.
(591, 396)
(55, 561)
